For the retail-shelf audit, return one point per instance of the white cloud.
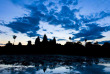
(104, 22)
(57, 31)
(7, 35)
(106, 38)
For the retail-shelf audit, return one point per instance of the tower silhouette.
(54, 40)
(20, 44)
(29, 43)
(9, 43)
(45, 39)
(37, 41)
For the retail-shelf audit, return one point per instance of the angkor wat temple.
(51, 47)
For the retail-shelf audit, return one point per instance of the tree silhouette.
(70, 38)
(14, 37)
(85, 41)
(51, 47)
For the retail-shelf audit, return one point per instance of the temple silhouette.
(51, 47)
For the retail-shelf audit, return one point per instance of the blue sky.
(79, 19)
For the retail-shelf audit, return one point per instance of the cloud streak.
(92, 32)
(2, 44)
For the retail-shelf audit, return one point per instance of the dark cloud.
(33, 34)
(94, 17)
(28, 25)
(51, 32)
(2, 44)
(69, 2)
(102, 42)
(44, 30)
(1, 32)
(66, 18)
(61, 39)
(41, 10)
(92, 32)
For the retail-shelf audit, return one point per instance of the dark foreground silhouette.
(51, 47)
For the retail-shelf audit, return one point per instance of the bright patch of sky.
(55, 31)
(104, 22)
(8, 11)
(93, 6)
(7, 35)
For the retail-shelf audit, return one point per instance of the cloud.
(2, 44)
(61, 14)
(94, 17)
(66, 17)
(69, 2)
(25, 25)
(102, 42)
(4, 30)
(61, 39)
(90, 28)
(1, 31)
(46, 11)
(54, 31)
(104, 22)
(92, 32)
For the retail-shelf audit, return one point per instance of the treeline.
(51, 47)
